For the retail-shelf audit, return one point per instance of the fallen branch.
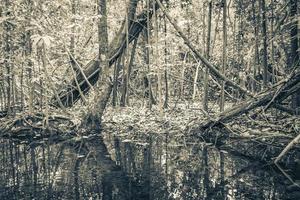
(287, 148)
(70, 94)
(209, 65)
(31, 126)
(283, 153)
(288, 87)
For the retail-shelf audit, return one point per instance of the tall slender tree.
(294, 55)
(209, 19)
(265, 44)
(224, 56)
(8, 53)
(256, 68)
(165, 65)
(73, 21)
(125, 63)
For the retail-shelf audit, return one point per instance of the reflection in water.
(158, 167)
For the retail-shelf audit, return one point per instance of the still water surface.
(156, 167)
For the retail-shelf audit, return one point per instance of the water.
(153, 167)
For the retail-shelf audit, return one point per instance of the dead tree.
(213, 70)
(68, 95)
(272, 97)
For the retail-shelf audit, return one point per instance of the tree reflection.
(155, 168)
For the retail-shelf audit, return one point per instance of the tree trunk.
(159, 75)
(2, 86)
(104, 88)
(115, 82)
(224, 58)
(125, 65)
(73, 21)
(166, 67)
(205, 97)
(28, 50)
(256, 54)
(273, 64)
(182, 77)
(195, 82)
(8, 28)
(147, 58)
(265, 45)
(240, 46)
(124, 97)
(70, 94)
(198, 55)
(294, 58)
(269, 98)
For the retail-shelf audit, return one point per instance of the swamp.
(150, 99)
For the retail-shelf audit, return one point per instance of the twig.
(284, 151)
(287, 148)
(80, 69)
(209, 65)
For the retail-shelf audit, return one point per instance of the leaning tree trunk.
(271, 97)
(70, 94)
(213, 70)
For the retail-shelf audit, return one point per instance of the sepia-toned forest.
(149, 99)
